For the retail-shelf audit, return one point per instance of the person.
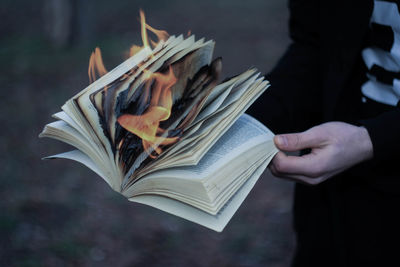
(336, 91)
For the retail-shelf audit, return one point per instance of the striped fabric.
(382, 56)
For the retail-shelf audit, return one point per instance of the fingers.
(307, 169)
(298, 141)
(296, 178)
(305, 165)
(312, 168)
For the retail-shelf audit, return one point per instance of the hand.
(335, 147)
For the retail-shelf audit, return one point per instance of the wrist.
(367, 150)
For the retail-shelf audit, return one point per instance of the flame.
(161, 35)
(134, 49)
(96, 65)
(146, 126)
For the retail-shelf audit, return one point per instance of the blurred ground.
(58, 213)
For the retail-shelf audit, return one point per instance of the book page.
(211, 107)
(80, 134)
(194, 193)
(244, 133)
(214, 222)
(234, 142)
(60, 130)
(195, 150)
(208, 131)
(80, 157)
(220, 93)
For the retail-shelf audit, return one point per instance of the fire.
(134, 49)
(157, 92)
(96, 65)
(146, 126)
(161, 35)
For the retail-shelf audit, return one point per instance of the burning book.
(161, 131)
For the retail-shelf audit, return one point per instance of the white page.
(225, 118)
(244, 133)
(81, 133)
(214, 222)
(82, 158)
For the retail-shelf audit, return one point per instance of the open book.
(161, 131)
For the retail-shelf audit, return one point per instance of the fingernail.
(282, 140)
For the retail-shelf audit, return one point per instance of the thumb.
(296, 141)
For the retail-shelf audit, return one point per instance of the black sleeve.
(384, 131)
(293, 101)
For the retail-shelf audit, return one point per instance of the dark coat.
(351, 219)
(319, 77)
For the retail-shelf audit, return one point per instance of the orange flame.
(146, 126)
(161, 35)
(96, 65)
(134, 49)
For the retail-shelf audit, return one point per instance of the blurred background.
(58, 213)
